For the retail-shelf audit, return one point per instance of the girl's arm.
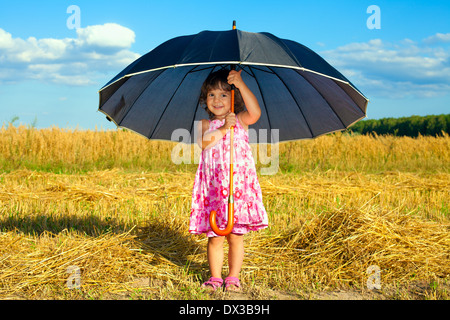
(209, 139)
(253, 112)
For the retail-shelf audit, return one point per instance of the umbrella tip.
(234, 24)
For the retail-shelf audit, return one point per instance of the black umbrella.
(301, 96)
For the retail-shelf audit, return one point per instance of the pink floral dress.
(211, 186)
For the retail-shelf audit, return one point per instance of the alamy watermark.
(73, 21)
(374, 279)
(266, 154)
(74, 279)
(374, 21)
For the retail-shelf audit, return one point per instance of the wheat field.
(104, 215)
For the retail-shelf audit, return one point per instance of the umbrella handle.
(230, 224)
(212, 215)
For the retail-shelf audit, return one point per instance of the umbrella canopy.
(300, 94)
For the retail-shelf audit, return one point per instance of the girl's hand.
(234, 77)
(230, 121)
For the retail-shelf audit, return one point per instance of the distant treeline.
(407, 126)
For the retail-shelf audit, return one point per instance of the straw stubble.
(337, 206)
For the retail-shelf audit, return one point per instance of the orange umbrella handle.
(230, 224)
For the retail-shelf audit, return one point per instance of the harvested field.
(121, 233)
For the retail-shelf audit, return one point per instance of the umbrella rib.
(243, 68)
(331, 107)
(196, 108)
(260, 69)
(262, 97)
(208, 67)
(168, 103)
(137, 98)
(356, 90)
(296, 102)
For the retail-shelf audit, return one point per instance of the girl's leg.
(215, 256)
(235, 254)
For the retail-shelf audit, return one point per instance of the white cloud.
(6, 41)
(438, 38)
(109, 35)
(97, 50)
(395, 70)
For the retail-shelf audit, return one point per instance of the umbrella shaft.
(231, 200)
(231, 161)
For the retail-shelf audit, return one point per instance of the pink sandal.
(213, 283)
(232, 281)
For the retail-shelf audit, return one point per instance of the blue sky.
(50, 74)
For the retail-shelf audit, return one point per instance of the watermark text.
(267, 154)
(374, 20)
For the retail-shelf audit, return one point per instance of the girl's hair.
(218, 80)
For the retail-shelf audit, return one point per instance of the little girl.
(211, 186)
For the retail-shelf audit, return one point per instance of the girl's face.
(218, 102)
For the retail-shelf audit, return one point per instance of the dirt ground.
(415, 290)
